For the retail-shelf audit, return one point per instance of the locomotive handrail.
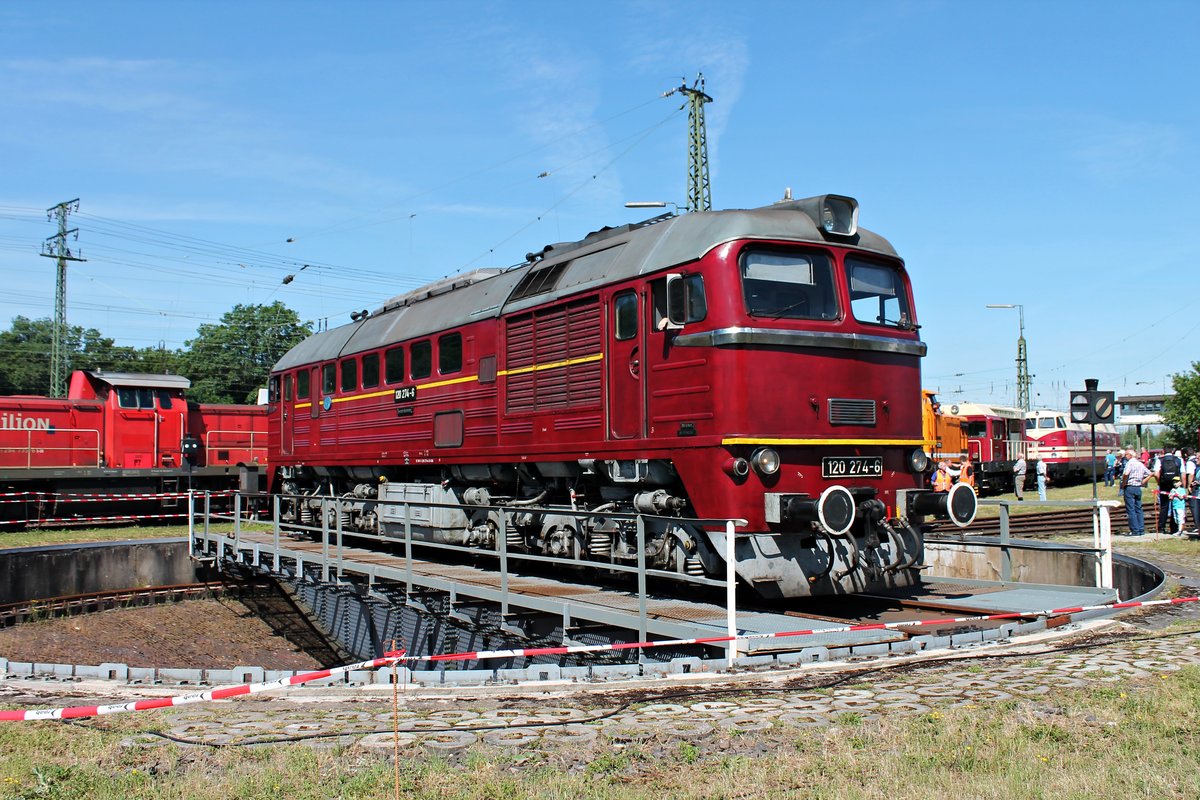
(258, 453)
(29, 450)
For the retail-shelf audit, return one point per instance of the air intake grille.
(851, 412)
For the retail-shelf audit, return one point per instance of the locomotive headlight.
(918, 460)
(765, 461)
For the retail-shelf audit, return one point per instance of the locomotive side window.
(370, 370)
(685, 300)
(302, 385)
(791, 285)
(877, 294)
(450, 353)
(287, 388)
(273, 389)
(393, 365)
(328, 379)
(422, 359)
(625, 310)
(164, 399)
(131, 397)
(349, 374)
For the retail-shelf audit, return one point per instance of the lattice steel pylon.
(56, 247)
(699, 191)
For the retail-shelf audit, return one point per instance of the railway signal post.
(1093, 407)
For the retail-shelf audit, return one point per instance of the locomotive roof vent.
(833, 214)
(442, 286)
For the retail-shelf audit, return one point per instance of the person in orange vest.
(941, 479)
(966, 472)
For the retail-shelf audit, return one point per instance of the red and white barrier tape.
(876, 626)
(72, 520)
(76, 712)
(82, 497)
(479, 655)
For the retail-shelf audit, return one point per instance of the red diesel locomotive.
(761, 365)
(116, 440)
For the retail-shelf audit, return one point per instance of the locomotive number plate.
(852, 467)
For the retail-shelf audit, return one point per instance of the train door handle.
(635, 364)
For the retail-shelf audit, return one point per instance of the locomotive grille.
(843, 411)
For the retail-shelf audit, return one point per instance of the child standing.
(1178, 498)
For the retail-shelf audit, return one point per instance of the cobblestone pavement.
(741, 713)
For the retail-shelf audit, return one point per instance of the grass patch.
(1133, 737)
(40, 538)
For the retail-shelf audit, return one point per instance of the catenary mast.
(56, 247)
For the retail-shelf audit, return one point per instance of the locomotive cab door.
(626, 382)
(286, 412)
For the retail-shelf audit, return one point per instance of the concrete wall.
(1039, 565)
(37, 573)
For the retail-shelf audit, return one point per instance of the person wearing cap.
(1019, 470)
(1110, 463)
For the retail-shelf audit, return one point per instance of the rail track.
(68, 605)
(1046, 523)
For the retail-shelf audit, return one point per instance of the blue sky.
(1018, 152)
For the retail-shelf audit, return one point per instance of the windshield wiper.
(779, 312)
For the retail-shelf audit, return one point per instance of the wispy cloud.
(156, 117)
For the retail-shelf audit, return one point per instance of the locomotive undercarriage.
(587, 511)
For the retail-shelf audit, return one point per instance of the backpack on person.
(1169, 471)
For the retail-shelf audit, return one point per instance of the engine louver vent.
(843, 411)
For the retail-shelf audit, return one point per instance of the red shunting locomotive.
(760, 365)
(116, 439)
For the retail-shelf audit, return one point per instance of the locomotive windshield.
(792, 285)
(877, 294)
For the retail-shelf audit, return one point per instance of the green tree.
(25, 355)
(1181, 411)
(229, 361)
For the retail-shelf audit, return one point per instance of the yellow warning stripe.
(552, 365)
(822, 442)
(467, 379)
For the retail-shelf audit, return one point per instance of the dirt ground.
(219, 633)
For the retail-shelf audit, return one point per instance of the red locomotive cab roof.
(87, 384)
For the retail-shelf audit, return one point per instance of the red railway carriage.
(995, 438)
(757, 364)
(120, 434)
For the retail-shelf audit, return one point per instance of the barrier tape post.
(396, 723)
(730, 595)
(1106, 555)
